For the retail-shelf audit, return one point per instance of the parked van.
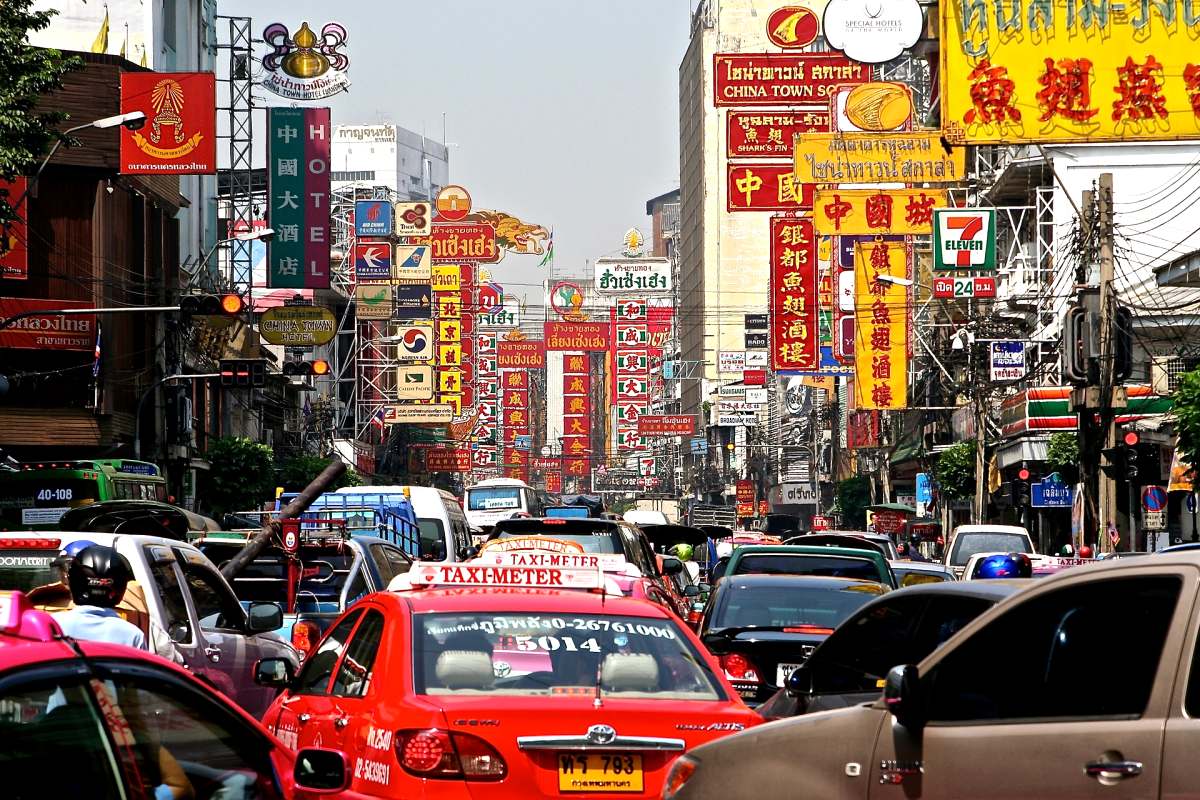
(445, 534)
(495, 499)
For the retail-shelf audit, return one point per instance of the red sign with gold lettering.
(769, 134)
(782, 79)
(766, 187)
(447, 460)
(463, 241)
(578, 336)
(794, 323)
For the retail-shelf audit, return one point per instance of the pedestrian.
(98, 577)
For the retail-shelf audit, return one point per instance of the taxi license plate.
(783, 671)
(599, 772)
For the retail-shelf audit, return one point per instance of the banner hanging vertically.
(794, 323)
(880, 326)
(298, 170)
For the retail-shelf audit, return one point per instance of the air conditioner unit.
(1167, 371)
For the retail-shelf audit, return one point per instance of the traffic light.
(305, 369)
(1122, 345)
(211, 305)
(243, 372)
(1130, 442)
(1020, 488)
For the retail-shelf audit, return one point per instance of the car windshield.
(802, 564)
(594, 536)
(786, 605)
(499, 498)
(968, 544)
(558, 655)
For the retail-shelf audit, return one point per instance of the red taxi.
(491, 679)
(95, 720)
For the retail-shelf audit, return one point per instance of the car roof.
(994, 590)
(805, 550)
(566, 601)
(990, 529)
(106, 539)
(753, 580)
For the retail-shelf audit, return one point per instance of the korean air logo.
(415, 341)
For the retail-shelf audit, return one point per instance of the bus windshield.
(494, 498)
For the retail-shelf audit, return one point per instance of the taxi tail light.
(814, 629)
(305, 636)
(738, 668)
(694, 616)
(30, 544)
(433, 753)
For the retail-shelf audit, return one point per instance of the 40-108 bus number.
(54, 494)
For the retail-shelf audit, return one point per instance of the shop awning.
(48, 427)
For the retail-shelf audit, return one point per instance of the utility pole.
(1107, 499)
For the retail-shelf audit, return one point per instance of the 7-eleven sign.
(964, 238)
(631, 310)
(646, 466)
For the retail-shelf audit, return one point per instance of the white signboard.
(739, 406)
(414, 343)
(756, 397)
(845, 290)
(1008, 360)
(802, 494)
(42, 516)
(757, 359)
(736, 419)
(414, 382)
(413, 219)
(731, 390)
(642, 276)
(731, 360)
(506, 316)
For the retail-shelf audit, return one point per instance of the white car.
(967, 540)
(190, 614)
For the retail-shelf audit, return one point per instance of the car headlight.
(680, 772)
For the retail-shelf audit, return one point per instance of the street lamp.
(133, 121)
(897, 280)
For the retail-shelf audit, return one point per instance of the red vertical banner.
(631, 369)
(577, 415)
(794, 322)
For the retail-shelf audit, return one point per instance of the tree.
(26, 74)
(955, 471)
(1062, 455)
(1187, 416)
(299, 471)
(241, 475)
(851, 500)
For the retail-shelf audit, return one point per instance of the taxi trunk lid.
(623, 748)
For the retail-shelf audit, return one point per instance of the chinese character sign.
(844, 212)
(765, 187)
(793, 295)
(880, 327)
(1037, 71)
(298, 182)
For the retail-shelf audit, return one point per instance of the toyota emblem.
(601, 734)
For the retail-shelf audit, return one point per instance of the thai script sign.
(464, 241)
(769, 134)
(303, 65)
(916, 157)
(47, 330)
(645, 276)
(180, 134)
(577, 336)
(774, 79)
(525, 354)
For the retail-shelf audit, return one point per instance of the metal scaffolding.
(240, 113)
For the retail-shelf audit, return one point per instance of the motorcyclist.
(686, 553)
(98, 577)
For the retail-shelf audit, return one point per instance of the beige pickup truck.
(1085, 685)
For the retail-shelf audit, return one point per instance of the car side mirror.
(276, 672)
(800, 682)
(321, 771)
(467, 553)
(902, 696)
(180, 632)
(703, 587)
(264, 616)
(671, 566)
(691, 590)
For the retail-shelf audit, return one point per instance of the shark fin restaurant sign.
(1017, 71)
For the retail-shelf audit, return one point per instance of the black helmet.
(98, 576)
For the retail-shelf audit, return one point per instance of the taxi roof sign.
(18, 617)
(608, 562)
(547, 544)
(477, 574)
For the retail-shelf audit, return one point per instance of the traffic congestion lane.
(508, 690)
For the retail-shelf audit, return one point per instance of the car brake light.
(554, 521)
(694, 617)
(434, 753)
(816, 629)
(305, 636)
(30, 544)
(738, 668)
(681, 770)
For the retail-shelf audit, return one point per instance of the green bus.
(33, 497)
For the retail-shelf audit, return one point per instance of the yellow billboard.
(1018, 71)
(854, 212)
(906, 157)
(880, 326)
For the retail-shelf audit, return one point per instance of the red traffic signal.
(1131, 439)
(1023, 474)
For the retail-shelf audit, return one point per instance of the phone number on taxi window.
(503, 624)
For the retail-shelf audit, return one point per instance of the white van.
(443, 526)
(495, 499)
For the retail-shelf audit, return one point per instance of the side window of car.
(170, 593)
(46, 724)
(862, 650)
(356, 584)
(379, 557)
(184, 744)
(318, 668)
(355, 672)
(399, 562)
(217, 608)
(1038, 660)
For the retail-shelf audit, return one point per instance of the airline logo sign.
(372, 262)
(412, 265)
(964, 238)
(372, 218)
(414, 383)
(414, 343)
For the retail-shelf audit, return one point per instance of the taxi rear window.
(558, 655)
(786, 564)
(594, 536)
(22, 570)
